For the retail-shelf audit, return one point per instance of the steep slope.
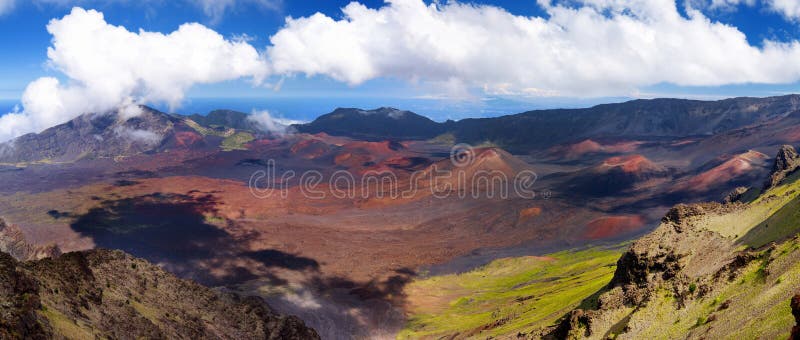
(542, 129)
(616, 175)
(225, 119)
(785, 163)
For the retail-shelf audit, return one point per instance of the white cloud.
(787, 8)
(272, 124)
(110, 67)
(6, 6)
(145, 137)
(790, 9)
(584, 48)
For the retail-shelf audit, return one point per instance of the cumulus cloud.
(110, 67)
(790, 9)
(268, 123)
(581, 48)
(584, 48)
(787, 8)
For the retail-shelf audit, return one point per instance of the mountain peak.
(376, 124)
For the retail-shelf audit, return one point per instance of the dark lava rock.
(735, 195)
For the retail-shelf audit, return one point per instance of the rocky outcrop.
(12, 241)
(666, 259)
(786, 162)
(735, 195)
(110, 294)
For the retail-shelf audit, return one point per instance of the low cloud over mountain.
(577, 48)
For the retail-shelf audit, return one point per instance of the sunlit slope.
(708, 271)
(508, 295)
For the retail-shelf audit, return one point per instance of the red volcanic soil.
(590, 146)
(587, 146)
(407, 163)
(310, 148)
(730, 169)
(377, 148)
(528, 213)
(264, 143)
(632, 164)
(608, 227)
(187, 138)
(791, 134)
(372, 155)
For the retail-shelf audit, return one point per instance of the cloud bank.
(582, 48)
(110, 67)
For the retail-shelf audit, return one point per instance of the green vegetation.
(237, 141)
(773, 216)
(509, 295)
(64, 326)
(446, 139)
(755, 306)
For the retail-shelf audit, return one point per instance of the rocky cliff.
(110, 294)
(786, 162)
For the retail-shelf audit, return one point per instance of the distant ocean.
(307, 109)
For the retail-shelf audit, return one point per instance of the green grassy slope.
(509, 295)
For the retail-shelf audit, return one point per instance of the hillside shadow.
(172, 230)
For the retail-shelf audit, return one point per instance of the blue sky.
(455, 60)
(26, 40)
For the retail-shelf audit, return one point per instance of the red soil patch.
(584, 147)
(310, 148)
(792, 134)
(377, 148)
(633, 164)
(264, 143)
(589, 146)
(528, 213)
(736, 166)
(187, 138)
(605, 227)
